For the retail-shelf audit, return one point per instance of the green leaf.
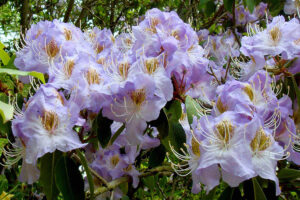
(177, 135)
(10, 64)
(149, 182)
(6, 111)
(116, 134)
(192, 108)
(288, 174)
(210, 8)
(210, 195)
(3, 142)
(35, 74)
(157, 156)
(258, 192)
(68, 179)
(3, 55)
(161, 123)
(228, 4)
(250, 5)
(173, 110)
(227, 194)
(101, 126)
(88, 172)
(47, 178)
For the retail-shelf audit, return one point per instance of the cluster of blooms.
(243, 16)
(249, 126)
(244, 127)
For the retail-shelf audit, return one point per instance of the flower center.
(128, 168)
(195, 147)
(68, 34)
(138, 96)
(52, 49)
(225, 131)
(99, 48)
(261, 141)
(249, 91)
(124, 70)
(221, 107)
(114, 160)
(92, 76)
(50, 120)
(68, 67)
(275, 35)
(153, 23)
(151, 65)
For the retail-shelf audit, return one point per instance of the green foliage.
(47, 177)
(228, 4)
(3, 55)
(6, 111)
(38, 75)
(176, 135)
(192, 109)
(288, 174)
(68, 179)
(101, 126)
(258, 192)
(157, 156)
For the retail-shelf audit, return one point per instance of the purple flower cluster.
(248, 125)
(243, 16)
(244, 128)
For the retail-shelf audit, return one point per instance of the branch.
(84, 11)
(166, 170)
(69, 10)
(92, 171)
(24, 16)
(214, 18)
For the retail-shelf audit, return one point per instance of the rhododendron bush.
(162, 110)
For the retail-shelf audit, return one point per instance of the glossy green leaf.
(69, 180)
(101, 126)
(6, 111)
(35, 74)
(177, 135)
(250, 5)
(288, 174)
(149, 182)
(87, 171)
(173, 110)
(47, 178)
(227, 194)
(258, 192)
(161, 123)
(3, 142)
(192, 108)
(3, 55)
(228, 4)
(157, 156)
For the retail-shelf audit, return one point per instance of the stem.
(88, 172)
(227, 69)
(116, 135)
(115, 183)
(214, 75)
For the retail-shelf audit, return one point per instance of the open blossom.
(135, 104)
(47, 124)
(292, 7)
(280, 37)
(47, 42)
